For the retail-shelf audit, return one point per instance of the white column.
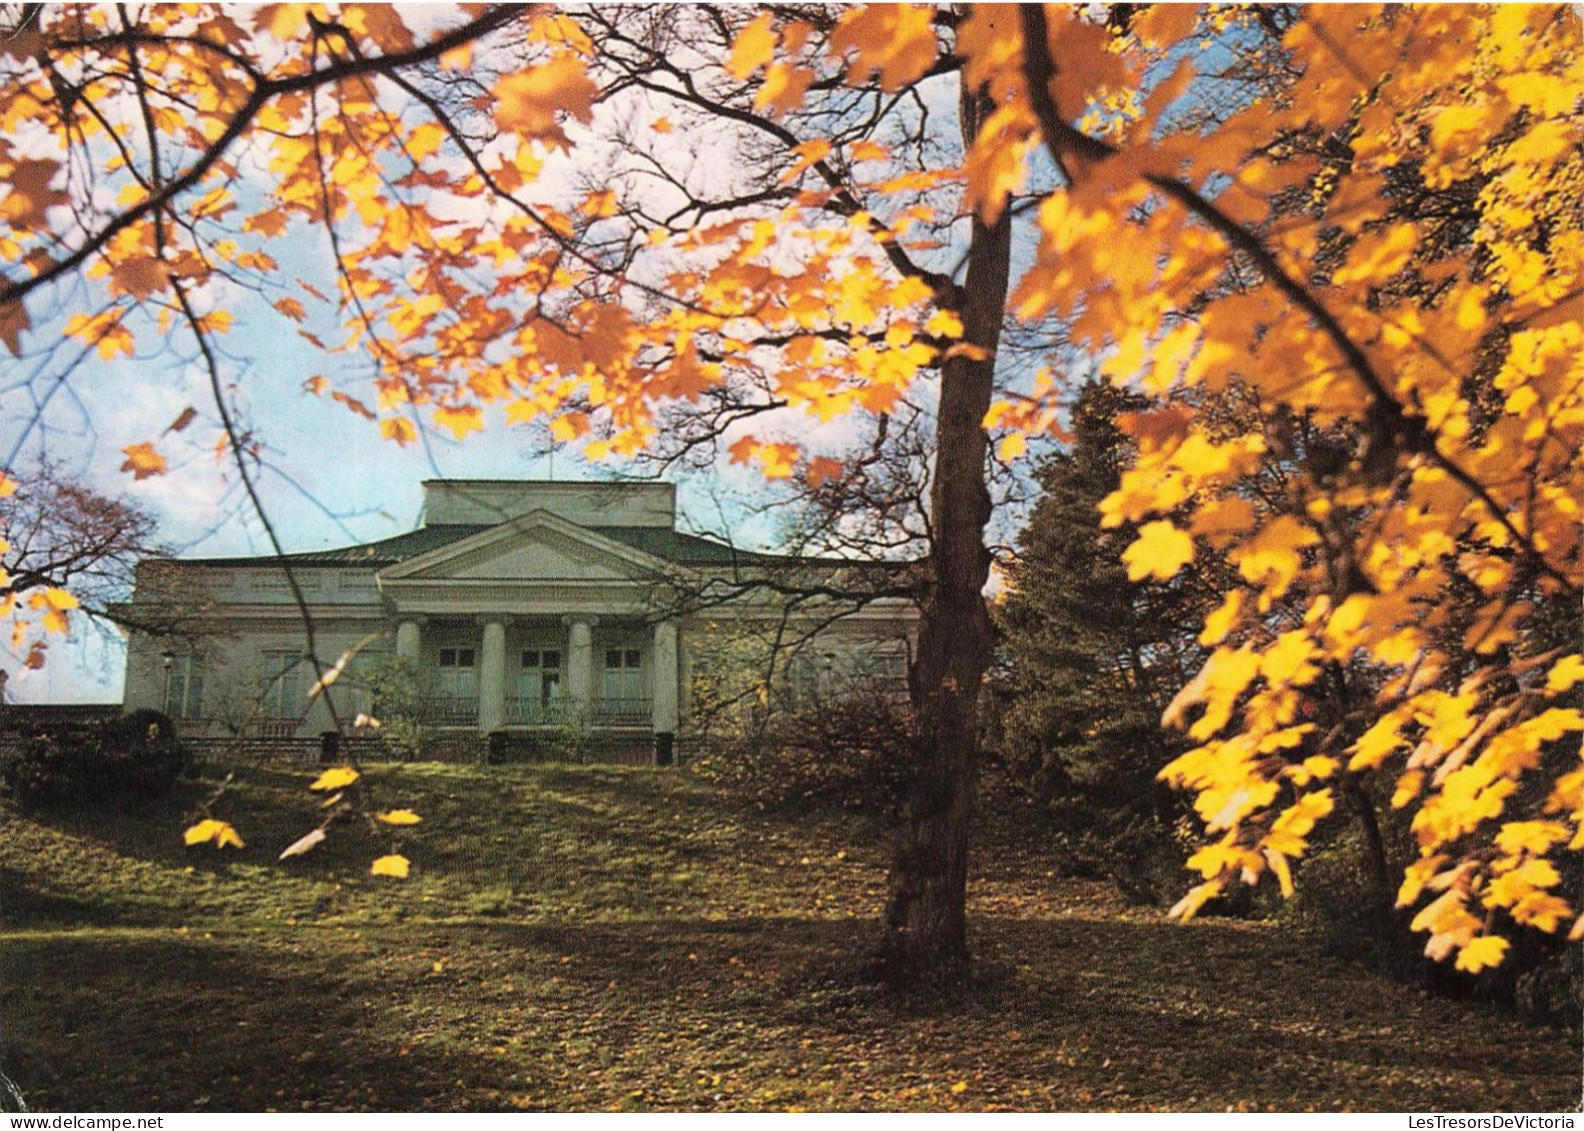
(663, 676)
(492, 676)
(580, 664)
(409, 635)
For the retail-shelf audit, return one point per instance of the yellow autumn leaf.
(753, 47)
(338, 778)
(1200, 894)
(1158, 553)
(60, 599)
(1487, 950)
(391, 865)
(227, 837)
(399, 429)
(1219, 623)
(143, 461)
(1565, 673)
(527, 102)
(201, 833)
(210, 830)
(399, 817)
(460, 419)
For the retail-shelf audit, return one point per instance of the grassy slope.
(610, 938)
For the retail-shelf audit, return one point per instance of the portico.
(504, 671)
(538, 622)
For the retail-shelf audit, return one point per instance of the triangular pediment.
(536, 547)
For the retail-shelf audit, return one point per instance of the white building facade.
(519, 606)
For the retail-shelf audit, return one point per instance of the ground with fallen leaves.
(603, 938)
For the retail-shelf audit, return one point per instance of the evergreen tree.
(1089, 658)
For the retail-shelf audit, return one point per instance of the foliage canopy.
(1289, 248)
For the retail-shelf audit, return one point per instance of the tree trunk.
(926, 938)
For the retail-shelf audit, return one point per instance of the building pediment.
(538, 547)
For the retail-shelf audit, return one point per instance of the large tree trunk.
(926, 938)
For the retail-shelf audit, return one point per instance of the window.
(541, 676)
(281, 695)
(457, 679)
(621, 673)
(183, 686)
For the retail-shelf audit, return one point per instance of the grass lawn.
(609, 938)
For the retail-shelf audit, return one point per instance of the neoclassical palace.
(519, 605)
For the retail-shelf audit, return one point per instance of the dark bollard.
(665, 748)
(329, 747)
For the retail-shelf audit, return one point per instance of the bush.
(395, 700)
(854, 752)
(1337, 902)
(136, 755)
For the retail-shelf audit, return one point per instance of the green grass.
(609, 938)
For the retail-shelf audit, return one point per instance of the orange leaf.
(143, 461)
(823, 469)
(527, 101)
(140, 276)
(753, 47)
(895, 41)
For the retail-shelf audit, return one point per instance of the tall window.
(621, 673)
(183, 686)
(281, 696)
(541, 676)
(458, 679)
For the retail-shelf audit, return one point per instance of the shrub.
(1336, 901)
(136, 755)
(853, 752)
(395, 699)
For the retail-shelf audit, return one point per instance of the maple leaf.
(528, 102)
(822, 470)
(143, 461)
(399, 429)
(460, 419)
(753, 47)
(895, 41)
(391, 865)
(784, 88)
(398, 817)
(333, 779)
(209, 830)
(140, 276)
(1159, 552)
(1487, 950)
(31, 195)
